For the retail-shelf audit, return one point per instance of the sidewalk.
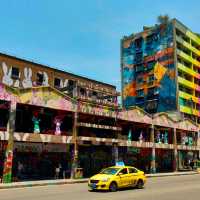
(72, 181)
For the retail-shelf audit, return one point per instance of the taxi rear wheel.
(113, 187)
(140, 184)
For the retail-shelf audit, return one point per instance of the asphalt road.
(165, 188)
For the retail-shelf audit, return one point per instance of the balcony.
(187, 57)
(188, 70)
(193, 37)
(189, 110)
(188, 84)
(187, 45)
(185, 95)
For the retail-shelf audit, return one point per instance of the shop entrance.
(136, 157)
(185, 158)
(37, 161)
(94, 158)
(164, 160)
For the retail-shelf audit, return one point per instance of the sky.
(83, 36)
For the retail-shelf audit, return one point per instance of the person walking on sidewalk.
(57, 171)
(192, 164)
(20, 168)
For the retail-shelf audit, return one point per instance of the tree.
(163, 19)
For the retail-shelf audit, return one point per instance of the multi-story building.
(160, 69)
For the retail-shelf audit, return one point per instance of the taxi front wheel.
(113, 187)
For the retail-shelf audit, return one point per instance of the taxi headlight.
(105, 180)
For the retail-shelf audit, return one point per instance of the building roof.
(150, 28)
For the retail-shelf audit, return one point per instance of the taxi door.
(124, 177)
(133, 176)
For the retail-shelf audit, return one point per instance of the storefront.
(94, 158)
(185, 158)
(39, 160)
(164, 160)
(137, 157)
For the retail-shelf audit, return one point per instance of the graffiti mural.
(27, 82)
(148, 71)
(15, 80)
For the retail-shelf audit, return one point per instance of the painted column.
(175, 163)
(7, 170)
(75, 149)
(198, 143)
(153, 153)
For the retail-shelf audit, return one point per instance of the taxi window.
(132, 170)
(124, 171)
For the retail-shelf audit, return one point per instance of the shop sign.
(38, 147)
(55, 147)
(133, 150)
(28, 147)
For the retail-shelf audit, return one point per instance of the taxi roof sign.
(120, 164)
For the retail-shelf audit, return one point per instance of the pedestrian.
(57, 171)
(20, 169)
(64, 168)
(192, 164)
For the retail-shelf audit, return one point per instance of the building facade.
(20, 73)
(160, 69)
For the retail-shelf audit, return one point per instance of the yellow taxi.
(116, 177)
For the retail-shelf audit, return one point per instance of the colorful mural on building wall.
(9, 80)
(39, 96)
(47, 97)
(148, 71)
(51, 98)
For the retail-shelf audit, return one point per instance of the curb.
(62, 182)
(167, 175)
(23, 185)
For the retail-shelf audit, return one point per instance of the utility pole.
(7, 170)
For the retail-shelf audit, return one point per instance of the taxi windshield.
(110, 171)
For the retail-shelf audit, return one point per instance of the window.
(138, 43)
(140, 93)
(40, 78)
(151, 78)
(15, 73)
(132, 170)
(57, 82)
(94, 95)
(150, 91)
(150, 65)
(139, 68)
(82, 91)
(138, 57)
(123, 171)
(156, 91)
(139, 80)
(71, 84)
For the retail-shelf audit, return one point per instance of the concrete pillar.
(175, 163)
(115, 153)
(8, 162)
(75, 147)
(153, 152)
